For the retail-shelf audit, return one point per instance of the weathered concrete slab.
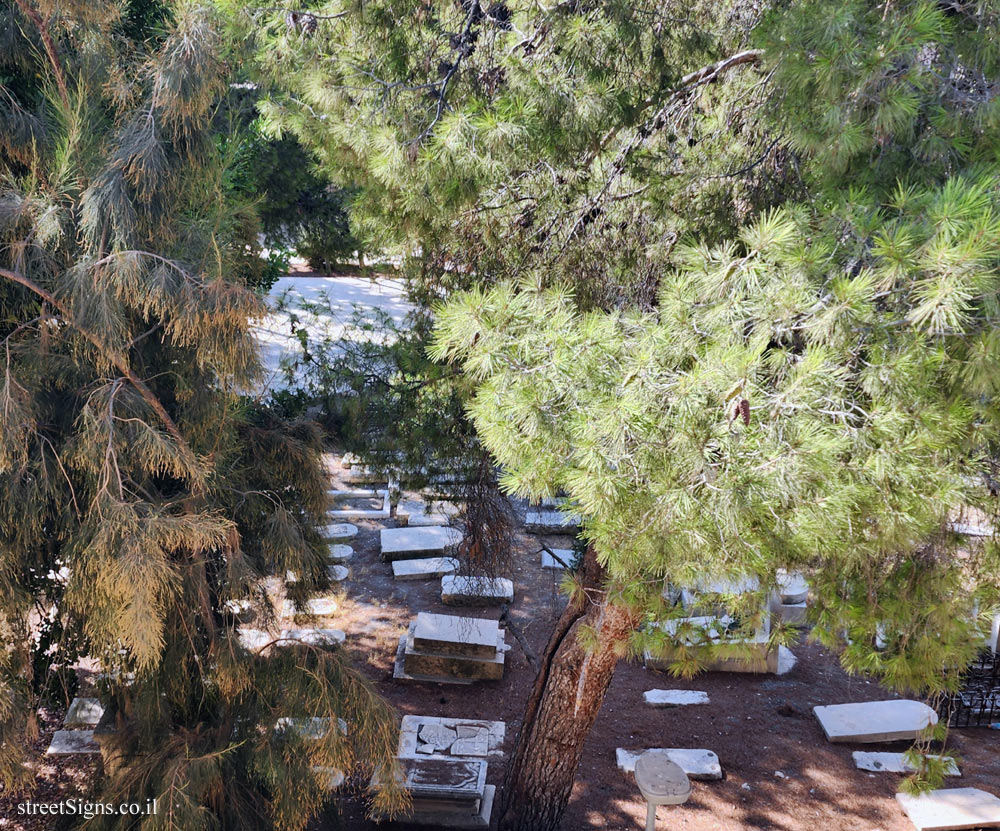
(69, 742)
(696, 763)
(83, 712)
(875, 721)
(564, 554)
(552, 522)
(416, 543)
(674, 698)
(794, 614)
(893, 763)
(416, 513)
(952, 809)
(338, 531)
(462, 590)
(455, 635)
(424, 568)
(339, 553)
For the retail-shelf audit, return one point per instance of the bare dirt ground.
(780, 773)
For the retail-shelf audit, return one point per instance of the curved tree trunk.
(563, 706)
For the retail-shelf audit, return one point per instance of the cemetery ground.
(779, 772)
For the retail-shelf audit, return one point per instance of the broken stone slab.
(337, 572)
(674, 698)
(418, 543)
(696, 763)
(462, 590)
(313, 637)
(792, 587)
(552, 522)
(436, 737)
(83, 712)
(317, 607)
(469, 735)
(875, 721)
(337, 531)
(68, 742)
(339, 553)
(564, 554)
(893, 763)
(422, 569)
(951, 809)
(360, 513)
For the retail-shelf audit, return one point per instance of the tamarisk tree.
(143, 496)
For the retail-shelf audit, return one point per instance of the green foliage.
(144, 498)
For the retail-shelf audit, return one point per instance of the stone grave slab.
(311, 729)
(462, 590)
(317, 606)
(674, 698)
(69, 742)
(448, 793)
(339, 553)
(382, 512)
(83, 712)
(875, 721)
(254, 639)
(752, 654)
(892, 763)
(564, 554)
(792, 587)
(416, 665)
(794, 614)
(469, 737)
(415, 514)
(552, 522)
(418, 543)
(951, 809)
(313, 637)
(454, 635)
(423, 569)
(338, 531)
(696, 763)
(337, 573)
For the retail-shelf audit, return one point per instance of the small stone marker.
(340, 553)
(416, 543)
(360, 513)
(461, 590)
(697, 763)
(338, 531)
(423, 569)
(674, 698)
(83, 712)
(68, 742)
(564, 554)
(337, 573)
(951, 809)
(793, 588)
(661, 782)
(875, 721)
(893, 763)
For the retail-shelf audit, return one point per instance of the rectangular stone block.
(453, 635)
(893, 763)
(69, 742)
(875, 721)
(381, 512)
(552, 522)
(83, 712)
(674, 698)
(952, 809)
(423, 569)
(564, 554)
(415, 543)
(462, 590)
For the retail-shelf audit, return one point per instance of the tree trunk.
(563, 706)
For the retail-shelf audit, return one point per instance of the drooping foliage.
(145, 497)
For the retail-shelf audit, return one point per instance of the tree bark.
(563, 705)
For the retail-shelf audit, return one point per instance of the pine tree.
(722, 389)
(133, 467)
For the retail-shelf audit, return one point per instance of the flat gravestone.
(472, 737)
(875, 721)
(564, 554)
(68, 742)
(423, 569)
(83, 712)
(339, 553)
(254, 639)
(453, 635)
(338, 531)
(951, 809)
(674, 698)
(552, 522)
(697, 763)
(444, 779)
(318, 606)
(462, 590)
(893, 763)
(414, 543)
(792, 587)
(313, 637)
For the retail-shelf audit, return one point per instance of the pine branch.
(50, 47)
(147, 394)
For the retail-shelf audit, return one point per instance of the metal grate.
(978, 702)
